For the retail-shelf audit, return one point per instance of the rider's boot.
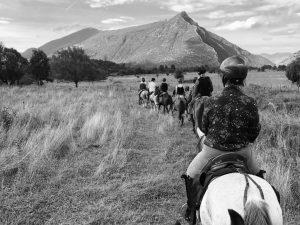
(261, 175)
(192, 192)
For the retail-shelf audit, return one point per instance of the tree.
(293, 72)
(173, 68)
(74, 65)
(264, 67)
(13, 65)
(161, 68)
(1, 59)
(39, 66)
(281, 67)
(178, 74)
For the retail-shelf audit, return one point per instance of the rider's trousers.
(202, 158)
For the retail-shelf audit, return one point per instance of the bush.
(26, 80)
(179, 74)
(293, 72)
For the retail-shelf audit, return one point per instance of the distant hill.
(291, 58)
(179, 41)
(69, 40)
(278, 57)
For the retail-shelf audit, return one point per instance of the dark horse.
(164, 100)
(180, 105)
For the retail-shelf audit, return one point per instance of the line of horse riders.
(224, 184)
(184, 97)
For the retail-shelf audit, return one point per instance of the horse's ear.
(235, 218)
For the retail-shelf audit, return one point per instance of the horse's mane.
(256, 213)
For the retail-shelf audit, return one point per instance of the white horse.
(238, 199)
(144, 98)
(154, 100)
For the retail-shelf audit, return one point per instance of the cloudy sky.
(259, 26)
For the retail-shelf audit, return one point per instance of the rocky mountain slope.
(69, 40)
(291, 58)
(278, 57)
(179, 40)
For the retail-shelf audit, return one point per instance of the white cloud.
(246, 24)
(121, 19)
(268, 7)
(289, 29)
(127, 18)
(174, 5)
(113, 21)
(283, 2)
(222, 14)
(5, 20)
(185, 5)
(105, 3)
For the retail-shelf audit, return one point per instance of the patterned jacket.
(230, 121)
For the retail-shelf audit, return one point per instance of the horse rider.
(163, 87)
(143, 87)
(203, 87)
(230, 122)
(151, 86)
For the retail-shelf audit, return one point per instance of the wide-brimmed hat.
(234, 68)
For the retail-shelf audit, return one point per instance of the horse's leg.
(193, 123)
(168, 109)
(182, 120)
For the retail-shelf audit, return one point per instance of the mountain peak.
(183, 15)
(179, 41)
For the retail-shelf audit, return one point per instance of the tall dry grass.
(41, 126)
(92, 156)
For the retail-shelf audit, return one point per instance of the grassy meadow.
(91, 155)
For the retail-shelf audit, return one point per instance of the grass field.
(92, 155)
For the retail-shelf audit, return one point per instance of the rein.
(247, 178)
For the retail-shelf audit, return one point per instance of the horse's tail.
(256, 212)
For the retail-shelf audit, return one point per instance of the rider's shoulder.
(248, 100)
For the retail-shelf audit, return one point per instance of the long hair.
(256, 213)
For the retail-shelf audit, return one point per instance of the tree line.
(70, 64)
(73, 64)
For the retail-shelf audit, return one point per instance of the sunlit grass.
(92, 155)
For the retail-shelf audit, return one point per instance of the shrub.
(178, 74)
(293, 72)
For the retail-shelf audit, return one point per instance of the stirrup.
(183, 210)
(187, 214)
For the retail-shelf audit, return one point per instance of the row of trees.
(269, 67)
(70, 64)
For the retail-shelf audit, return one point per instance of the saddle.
(219, 166)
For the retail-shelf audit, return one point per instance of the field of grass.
(92, 155)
